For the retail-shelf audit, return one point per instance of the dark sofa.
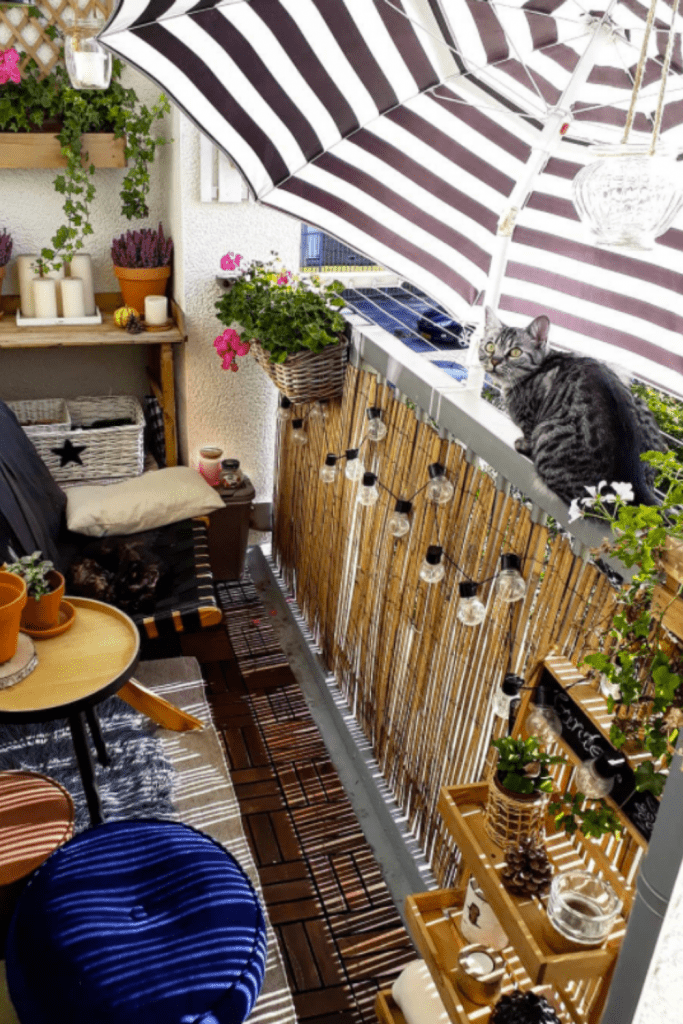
(33, 518)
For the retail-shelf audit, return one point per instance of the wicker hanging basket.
(511, 817)
(307, 376)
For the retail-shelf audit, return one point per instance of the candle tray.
(59, 321)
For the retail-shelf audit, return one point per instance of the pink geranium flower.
(285, 277)
(228, 345)
(9, 66)
(231, 261)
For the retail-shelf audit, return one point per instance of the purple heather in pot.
(145, 248)
(5, 247)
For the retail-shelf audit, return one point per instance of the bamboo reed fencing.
(28, 35)
(418, 681)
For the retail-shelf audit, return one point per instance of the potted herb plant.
(519, 790)
(5, 255)
(44, 590)
(142, 263)
(294, 326)
(12, 601)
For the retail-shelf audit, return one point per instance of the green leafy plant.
(35, 571)
(571, 815)
(522, 766)
(285, 312)
(41, 102)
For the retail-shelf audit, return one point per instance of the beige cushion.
(417, 997)
(143, 503)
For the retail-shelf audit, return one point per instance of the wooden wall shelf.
(42, 149)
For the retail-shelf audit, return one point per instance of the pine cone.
(523, 1008)
(527, 870)
(133, 325)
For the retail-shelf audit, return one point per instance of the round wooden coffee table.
(76, 671)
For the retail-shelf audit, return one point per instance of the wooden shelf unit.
(43, 149)
(386, 1009)
(159, 344)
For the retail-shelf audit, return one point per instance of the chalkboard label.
(583, 736)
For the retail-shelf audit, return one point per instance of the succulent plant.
(5, 247)
(145, 248)
(35, 571)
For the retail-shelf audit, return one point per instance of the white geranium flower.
(623, 491)
(574, 511)
(594, 492)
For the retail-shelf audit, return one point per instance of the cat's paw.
(523, 447)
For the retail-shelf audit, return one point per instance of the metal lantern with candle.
(479, 974)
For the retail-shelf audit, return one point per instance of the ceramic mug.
(478, 922)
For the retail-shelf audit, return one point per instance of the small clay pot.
(12, 600)
(138, 282)
(43, 613)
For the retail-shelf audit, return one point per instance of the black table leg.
(85, 766)
(96, 733)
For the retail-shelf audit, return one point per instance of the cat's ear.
(538, 329)
(492, 324)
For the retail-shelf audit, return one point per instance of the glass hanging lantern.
(284, 409)
(376, 429)
(471, 611)
(88, 63)
(398, 523)
(328, 472)
(354, 467)
(627, 197)
(367, 492)
(595, 778)
(510, 585)
(543, 721)
(439, 489)
(298, 433)
(432, 569)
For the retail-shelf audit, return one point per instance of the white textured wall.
(32, 211)
(236, 411)
(661, 1001)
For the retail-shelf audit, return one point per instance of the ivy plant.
(49, 101)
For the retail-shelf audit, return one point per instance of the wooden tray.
(462, 808)
(386, 1009)
(439, 941)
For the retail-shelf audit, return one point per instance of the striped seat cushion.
(142, 922)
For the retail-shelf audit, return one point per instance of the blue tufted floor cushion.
(142, 922)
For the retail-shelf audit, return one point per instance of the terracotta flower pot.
(12, 601)
(43, 613)
(138, 282)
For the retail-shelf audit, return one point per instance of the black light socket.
(330, 459)
(609, 764)
(468, 588)
(352, 453)
(511, 685)
(403, 506)
(510, 561)
(297, 424)
(285, 402)
(369, 479)
(434, 553)
(542, 696)
(230, 464)
(436, 469)
(374, 412)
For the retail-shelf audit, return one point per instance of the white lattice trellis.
(28, 35)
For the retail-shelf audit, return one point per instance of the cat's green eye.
(515, 352)
(490, 347)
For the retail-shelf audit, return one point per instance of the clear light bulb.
(510, 585)
(595, 779)
(543, 721)
(354, 467)
(328, 472)
(439, 489)
(609, 689)
(317, 411)
(398, 523)
(432, 569)
(504, 696)
(367, 492)
(471, 611)
(284, 409)
(376, 429)
(298, 433)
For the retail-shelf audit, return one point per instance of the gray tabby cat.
(581, 424)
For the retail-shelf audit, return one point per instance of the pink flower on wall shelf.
(9, 66)
(228, 345)
(285, 277)
(231, 261)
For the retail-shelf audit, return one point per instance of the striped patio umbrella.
(440, 138)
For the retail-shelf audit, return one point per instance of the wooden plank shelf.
(438, 939)
(386, 1009)
(42, 149)
(523, 918)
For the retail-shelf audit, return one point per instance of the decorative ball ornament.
(523, 1008)
(123, 315)
(527, 871)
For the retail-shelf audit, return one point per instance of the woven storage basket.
(307, 376)
(39, 416)
(511, 817)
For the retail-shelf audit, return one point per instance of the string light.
(298, 433)
(398, 523)
(471, 611)
(543, 721)
(284, 409)
(317, 411)
(328, 471)
(432, 569)
(596, 778)
(510, 585)
(439, 489)
(367, 492)
(376, 429)
(354, 467)
(507, 693)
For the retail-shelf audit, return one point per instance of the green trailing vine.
(50, 102)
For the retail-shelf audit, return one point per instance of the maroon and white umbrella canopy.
(441, 138)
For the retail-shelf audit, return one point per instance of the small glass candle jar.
(210, 464)
(479, 974)
(581, 911)
(231, 474)
(87, 61)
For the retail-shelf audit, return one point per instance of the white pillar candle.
(81, 266)
(57, 276)
(73, 304)
(156, 310)
(26, 276)
(478, 963)
(45, 297)
(91, 70)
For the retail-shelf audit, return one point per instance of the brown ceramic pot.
(138, 282)
(43, 613)
(12, 600)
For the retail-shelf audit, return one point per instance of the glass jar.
(88, 63)
(231, 475)
(581, 910)
(210, 464)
